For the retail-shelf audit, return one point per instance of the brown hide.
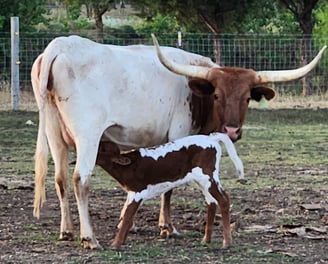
(220, 103)
(142, 171)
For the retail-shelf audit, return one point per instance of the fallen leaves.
(309, 232)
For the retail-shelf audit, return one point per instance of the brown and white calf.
(149, 172)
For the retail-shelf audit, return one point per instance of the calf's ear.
(259, 91)
(200, 87)
(120, 160)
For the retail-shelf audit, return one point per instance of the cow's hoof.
(226, 245)
(89, 243)
(168, 231)
(66, 236)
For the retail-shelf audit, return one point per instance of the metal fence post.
(14, 21)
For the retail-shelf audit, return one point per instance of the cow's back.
(125, 88)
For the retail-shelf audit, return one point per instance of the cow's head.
(228, 90)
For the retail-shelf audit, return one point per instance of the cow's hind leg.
(165, 222)
(59, 151)
(126, 224)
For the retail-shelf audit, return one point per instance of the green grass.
(281, 148)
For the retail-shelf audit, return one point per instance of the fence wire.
(258, 52)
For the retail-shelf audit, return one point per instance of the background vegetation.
(105, 20)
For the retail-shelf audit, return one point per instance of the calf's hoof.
(116, 245)
(66, 236)
(89, 243)
(206, 240)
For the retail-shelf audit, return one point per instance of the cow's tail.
(232, 153)
(40, 75)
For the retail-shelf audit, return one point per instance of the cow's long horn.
(187, 70)
(288, 75)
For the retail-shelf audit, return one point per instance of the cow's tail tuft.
(232, 153)
(41, 165)
(40, 75)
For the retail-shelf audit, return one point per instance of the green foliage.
(2, 20)
(270, 18)
(321, 28)
(29, 12)
(73, 8)
(260, 16)
(158, 25)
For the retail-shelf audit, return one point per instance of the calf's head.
(109, 153)
(227, 90)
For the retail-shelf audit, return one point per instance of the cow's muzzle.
(234, 133)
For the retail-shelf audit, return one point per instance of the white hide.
(125, 90)
(196, 174)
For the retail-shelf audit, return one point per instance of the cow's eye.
(216, 97)
(248, 99)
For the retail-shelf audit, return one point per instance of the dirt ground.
(300, 238)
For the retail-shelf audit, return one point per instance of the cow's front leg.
(88, 239)
(165, 223)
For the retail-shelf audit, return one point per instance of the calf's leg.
(165, 223)
(125, 224)
(224, 202)
(211, 210)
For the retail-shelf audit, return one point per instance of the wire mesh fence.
(258, 52)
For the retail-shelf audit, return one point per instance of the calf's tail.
(232, 153)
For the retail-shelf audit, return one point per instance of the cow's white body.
(123, 90)
(89, 78)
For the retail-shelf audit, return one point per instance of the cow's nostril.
(233, 132)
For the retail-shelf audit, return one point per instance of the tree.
(98, 8)
(29, 11)
(218, 16)
(303, 11)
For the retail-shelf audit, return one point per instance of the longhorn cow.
(88, 92)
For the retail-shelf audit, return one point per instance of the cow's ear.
(201, 87)
(259, 91)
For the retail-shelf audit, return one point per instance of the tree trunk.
(98, 10)
(306, 24)
(306, 57)
(88, 7)
(302, 11)
(99, 27)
